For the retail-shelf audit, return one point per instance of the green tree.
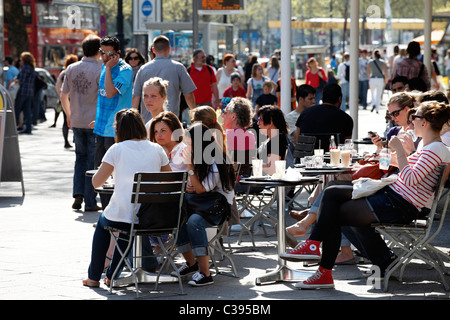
(16, 30)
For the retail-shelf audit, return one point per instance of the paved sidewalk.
(45, 245)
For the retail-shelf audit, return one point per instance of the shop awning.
(436, 37)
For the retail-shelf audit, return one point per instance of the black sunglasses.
(415, 116)
(109, 53)
(397, 112)
(133, 58)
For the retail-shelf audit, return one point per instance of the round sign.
(147, 8)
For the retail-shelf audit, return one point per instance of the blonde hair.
(403, 99)
(158, 83)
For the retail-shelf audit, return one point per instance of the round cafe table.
(282, 272)
(325, 172)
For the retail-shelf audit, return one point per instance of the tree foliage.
(16, 31)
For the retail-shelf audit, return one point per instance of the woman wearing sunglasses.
(135, 59)
(398, 106)
(399, 202)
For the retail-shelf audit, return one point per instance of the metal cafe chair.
(153, 188)
(414, 240)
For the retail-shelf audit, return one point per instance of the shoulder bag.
(364, 187)
(207, 204)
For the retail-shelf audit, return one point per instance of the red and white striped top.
(417, 182)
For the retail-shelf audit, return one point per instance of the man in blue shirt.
(114, 94)
(11, 73)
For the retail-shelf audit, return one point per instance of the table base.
(143, 277)
(282, 273)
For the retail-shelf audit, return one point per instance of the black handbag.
(160, 215)
(207, 204)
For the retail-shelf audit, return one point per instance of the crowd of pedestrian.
(124, 112)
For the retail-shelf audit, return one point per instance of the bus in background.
(56, 29)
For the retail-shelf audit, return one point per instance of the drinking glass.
(309, 161)
(257, 165)
(334, 156)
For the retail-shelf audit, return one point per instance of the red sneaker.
(308, 250)
(322, 279)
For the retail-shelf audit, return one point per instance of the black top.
(276, 145)
(266, 99)
(325, 118)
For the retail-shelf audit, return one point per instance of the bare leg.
(300, 228)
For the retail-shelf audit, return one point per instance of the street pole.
(195, 24)
(119, 21)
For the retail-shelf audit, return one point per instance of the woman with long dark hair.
(209, 171)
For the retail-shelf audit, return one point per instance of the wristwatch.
(191, 172)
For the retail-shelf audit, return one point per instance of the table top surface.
(322, 171)
(269, 182)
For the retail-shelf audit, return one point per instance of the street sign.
(145, 11)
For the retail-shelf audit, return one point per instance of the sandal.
(107, 263)
(91, 283)
(107, 282)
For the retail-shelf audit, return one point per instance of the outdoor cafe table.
(141, 275)
(326, 172)
(282, 272)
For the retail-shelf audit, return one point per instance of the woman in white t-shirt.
(131, 153)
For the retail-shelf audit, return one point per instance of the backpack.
(347, 72)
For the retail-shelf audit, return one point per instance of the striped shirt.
(122, 76)
(417, 182)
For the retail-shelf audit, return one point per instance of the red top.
(203, 80)
(313, 78)
(229, 92)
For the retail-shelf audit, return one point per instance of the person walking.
(81, 83)
(343, 75)
(162, 66)
(314, 77)
(204, 79)
(363, 78)
(114, 94)
(376, 69)
(24, 98)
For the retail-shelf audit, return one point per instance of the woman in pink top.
(400, 202)
(237, 117)
(313, 76)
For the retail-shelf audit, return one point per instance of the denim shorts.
(390, 207)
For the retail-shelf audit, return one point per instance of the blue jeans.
(345, 87)
(84, 160)
(363, 87)
(100, 245)
(23, 103)
(318, 95)
(38, 106)
(192, 235)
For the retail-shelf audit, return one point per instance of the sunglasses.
(133, 58)
(395, 113)
(415, 116)
(108, 53)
